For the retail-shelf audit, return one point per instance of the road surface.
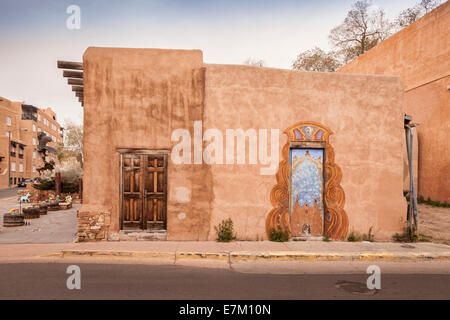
(134, 281)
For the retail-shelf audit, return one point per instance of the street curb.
(238, 256)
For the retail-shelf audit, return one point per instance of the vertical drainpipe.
(412, 218)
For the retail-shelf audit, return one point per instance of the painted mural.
(306, 196)
(335, 224)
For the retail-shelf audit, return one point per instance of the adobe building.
(420, 55)
(19, 125)
(173, 146)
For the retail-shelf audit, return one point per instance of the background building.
(420, 55)
(22, 123)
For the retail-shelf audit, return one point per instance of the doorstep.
(141, 235)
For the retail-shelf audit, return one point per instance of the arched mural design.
(335, 218)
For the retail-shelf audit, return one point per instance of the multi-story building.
(19, 126)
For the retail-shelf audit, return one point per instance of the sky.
(34, 35)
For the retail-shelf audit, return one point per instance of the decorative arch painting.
(308, 199)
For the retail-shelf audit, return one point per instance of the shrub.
(45, 185)
(354, 237)
(279, 235)
(225, 231)
(369, 237)
(410, 236)
(67, 187)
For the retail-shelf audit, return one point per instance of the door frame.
(336, 219)
(138, 151)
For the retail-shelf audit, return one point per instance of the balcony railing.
(29, 116)
(20, 156)
(13, 154)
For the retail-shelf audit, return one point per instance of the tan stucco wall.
(364, 112)
(420, 55)
(135, 98)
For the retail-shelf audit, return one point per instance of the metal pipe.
(412, 217)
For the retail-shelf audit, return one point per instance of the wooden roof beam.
(77, 88)
(70, 65)
(79, 94)
(77, 82)
(72, 74)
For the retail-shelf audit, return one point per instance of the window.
(53, 127)
(7, 133)
(8, 121)
(34, 141)
(46, 122)
(39, 129)
(39, 117)
(34, 154)
(34, 128)
(20, 167)
(13, 166)
(12, 148)
(53, 138)
(34, 168)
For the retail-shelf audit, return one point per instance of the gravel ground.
(435, 222)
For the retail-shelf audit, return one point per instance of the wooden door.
(155, 192)
(143, 199)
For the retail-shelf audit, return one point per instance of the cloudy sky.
(33, 36)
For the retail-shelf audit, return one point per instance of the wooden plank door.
(132, 195)
(143, 191)
(155, 192)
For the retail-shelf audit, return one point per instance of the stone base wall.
(93, 226)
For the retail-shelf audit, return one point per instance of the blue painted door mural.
(306, 196)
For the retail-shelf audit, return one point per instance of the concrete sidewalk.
(230, 252)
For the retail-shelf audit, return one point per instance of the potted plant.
(31, 212)
(13, 218)
(43, 207)
(67, 204)
(53, 203)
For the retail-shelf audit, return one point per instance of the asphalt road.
(126, 281)
(8, 193)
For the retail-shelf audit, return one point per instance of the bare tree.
(317, 60)
(255, 62)
(73, 142)
(410, 15)
(363, 28)
(429, 5)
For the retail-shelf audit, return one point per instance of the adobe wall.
(364, 112)
(135, 98)
(420, 55)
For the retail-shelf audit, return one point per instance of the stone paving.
(55, 227)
